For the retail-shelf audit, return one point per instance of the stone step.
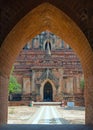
(46, 103)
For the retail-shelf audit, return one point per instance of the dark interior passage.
(48, 92)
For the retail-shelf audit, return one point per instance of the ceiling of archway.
(81, 11)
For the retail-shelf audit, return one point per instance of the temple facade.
(49, 70)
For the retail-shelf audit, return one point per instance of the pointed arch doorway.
(48, 92)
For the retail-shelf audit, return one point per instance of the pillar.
(3, 99)
(33, 86)
(74, 85)
(33, 80)
(72, 88)
(89, 99)
(60, 80)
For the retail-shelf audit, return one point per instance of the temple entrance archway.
(48, 92)
(59, 23)
(47, 84)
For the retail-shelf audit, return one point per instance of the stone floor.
(25, 114)
(46, 127)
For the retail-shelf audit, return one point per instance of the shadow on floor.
(75, 108)
(54, 121)
(45, 127)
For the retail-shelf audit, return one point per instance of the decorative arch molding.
(46, 17)
(50, 41)
(42, 87)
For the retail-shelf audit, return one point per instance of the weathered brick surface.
(19, 103)
(3, 99)
(47, 17)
